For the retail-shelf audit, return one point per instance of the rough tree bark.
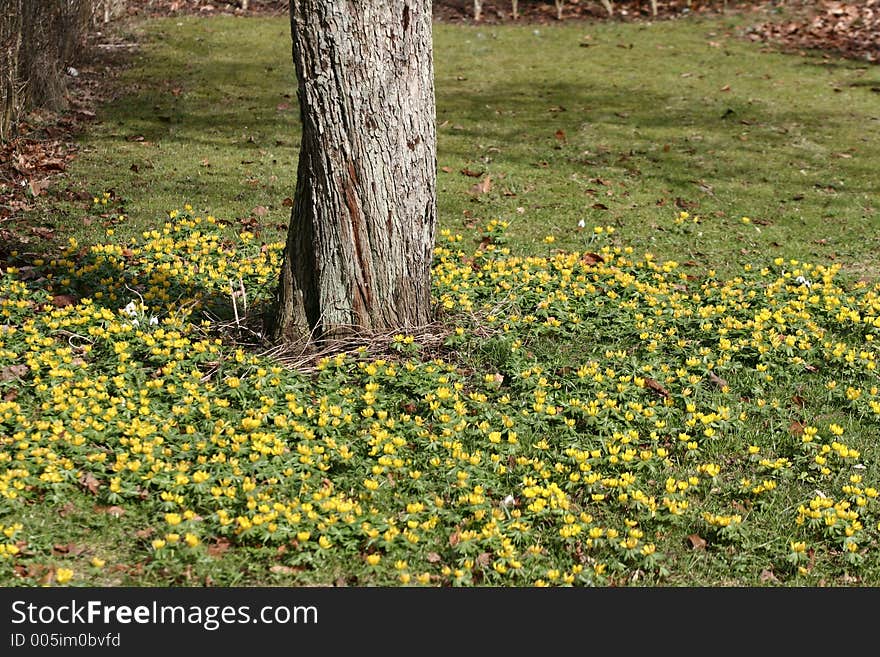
(360, 243)
(10, 46)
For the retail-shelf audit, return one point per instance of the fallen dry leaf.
(63, 300)
(13, 372)
(697, 542)
(218, 547)
(89, 482)
(591, 258)
(37, 187)
(716, 380)
(652, 385)
(282, 570)
(115, 511)
(482, 187)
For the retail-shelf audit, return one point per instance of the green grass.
(501, 445)
(196, 120)
(648, 122)
(649, 130)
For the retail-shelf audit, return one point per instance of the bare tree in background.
(39, 39)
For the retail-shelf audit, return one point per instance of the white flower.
(130, 309)
(582, 223)
(804, 281)
(154, 320)
(508, 501)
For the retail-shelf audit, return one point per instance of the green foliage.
(596, 414)
(702, 431)
(646, 130)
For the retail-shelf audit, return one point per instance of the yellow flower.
(63, 575)
(97, 562)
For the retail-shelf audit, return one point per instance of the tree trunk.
(51, 33)
(360, 243)
(10, 46)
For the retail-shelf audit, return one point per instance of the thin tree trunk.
(361, 237)
(514, 9)
(478, 9)
(10, 45)
(559, 6)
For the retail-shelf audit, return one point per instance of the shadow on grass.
(726, 142)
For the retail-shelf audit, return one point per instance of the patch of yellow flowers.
(536, 475)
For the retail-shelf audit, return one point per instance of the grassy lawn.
(646, 121)
(680, 391)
